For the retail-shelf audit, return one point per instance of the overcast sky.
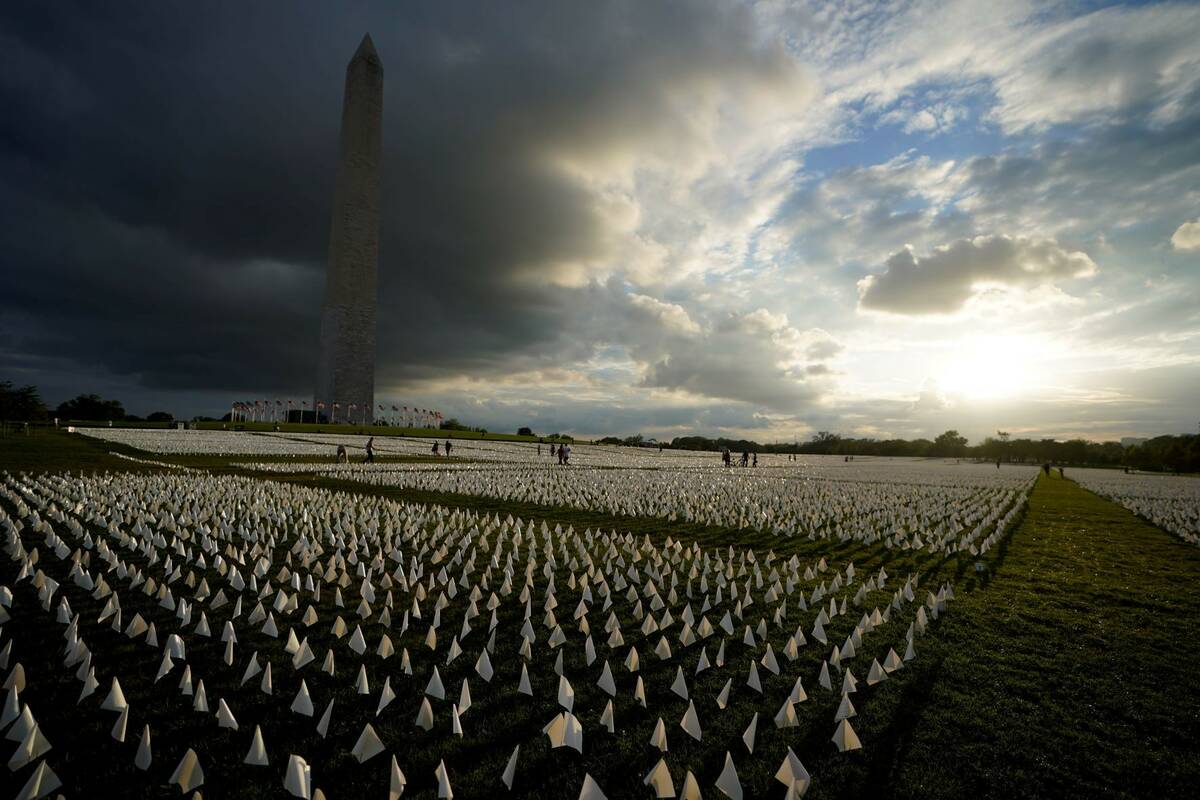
(759, 219)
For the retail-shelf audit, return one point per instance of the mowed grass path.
(1074, 673)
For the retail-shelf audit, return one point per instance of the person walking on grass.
(448, 446)
(341, 454)
(370, 459)
(436, 452)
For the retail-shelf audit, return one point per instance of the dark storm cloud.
(166, 172)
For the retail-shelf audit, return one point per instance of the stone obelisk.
(346, 370)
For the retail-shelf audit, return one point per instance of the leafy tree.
(524, 432)
(23, 404)
(950, 443)
(91, 408)
(826, 442)
(992, 448)
(161, 416)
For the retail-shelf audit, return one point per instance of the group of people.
(727, 458)
(563, 452)
(343, 457)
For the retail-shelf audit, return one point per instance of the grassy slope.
(44, 450)
(1072, 675)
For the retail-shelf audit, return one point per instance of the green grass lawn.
(48, 450)
(1067, 669)
(1074, 673)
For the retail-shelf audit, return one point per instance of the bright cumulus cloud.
(749, 219)
(1187, 236)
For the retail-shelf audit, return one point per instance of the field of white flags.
(236, 614)
(903, 502)
(324, 445)
(1169, 501)
(181, 631)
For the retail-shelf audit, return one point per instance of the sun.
(990, 367)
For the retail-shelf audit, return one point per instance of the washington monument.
(346, 370)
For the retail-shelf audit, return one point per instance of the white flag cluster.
(429, 614)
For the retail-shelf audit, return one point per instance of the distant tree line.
(20, 404)
(1174, 453)
(633, 441)
(24, 404)
(453, 424)
(551, 437)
